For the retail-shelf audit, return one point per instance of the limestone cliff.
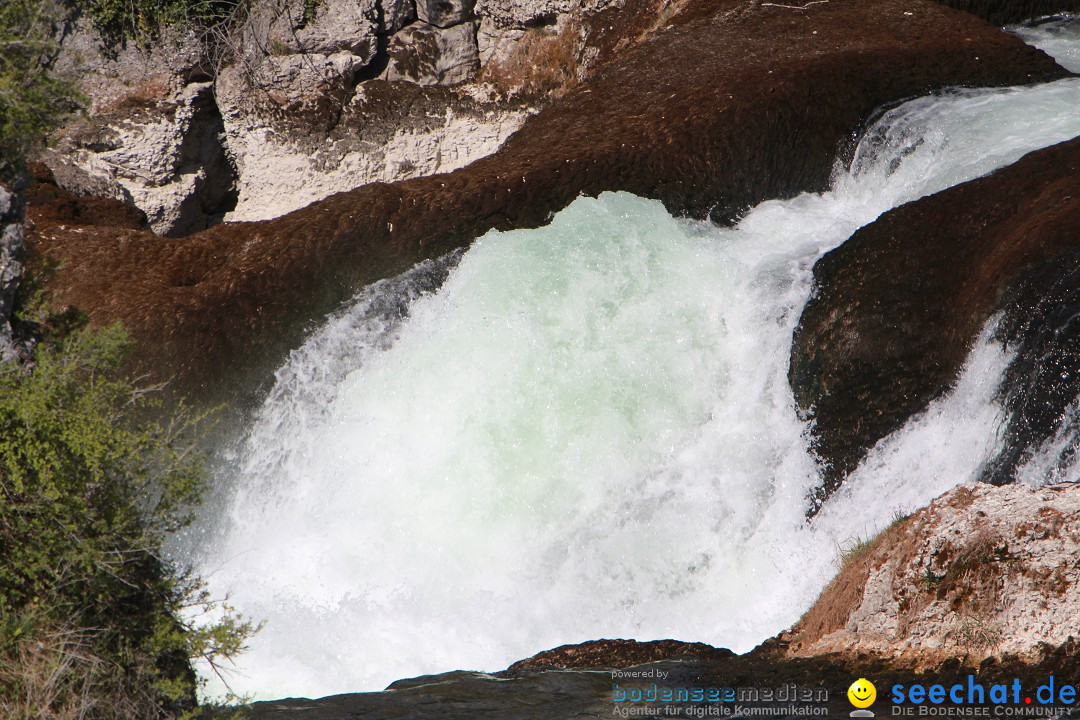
(295, 100)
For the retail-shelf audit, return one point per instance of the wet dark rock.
(458, 695)
(892, 321)
(731, 104)
(614, 654)
(1041, 389)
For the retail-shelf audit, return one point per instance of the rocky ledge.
(723, 105)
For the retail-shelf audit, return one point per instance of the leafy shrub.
(92, 617)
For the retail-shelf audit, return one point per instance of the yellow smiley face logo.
(862, 693)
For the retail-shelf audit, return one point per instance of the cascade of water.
(586, 431)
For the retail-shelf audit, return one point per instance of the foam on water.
(587, 432)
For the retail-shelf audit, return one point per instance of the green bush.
(94, 622)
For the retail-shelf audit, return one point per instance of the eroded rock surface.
(727, 105)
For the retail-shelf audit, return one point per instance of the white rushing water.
(587, 432)
(1058, 37)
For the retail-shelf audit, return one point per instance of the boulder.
(982, 573)
(891, 322)
(299, 75)
(429, 55)
(296, 49)
(159, 150)
(444, 13)
(727, 105)
(285, 27)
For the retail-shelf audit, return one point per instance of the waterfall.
(585, 430)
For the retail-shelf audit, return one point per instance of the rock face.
(982, 572)
(302, 125)
(432, 55)
(160, 150)
(891, 322)
(279, 113)
(152, 136)
(288, 81)
(294, 47)
(727, 106)
(386, 132)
